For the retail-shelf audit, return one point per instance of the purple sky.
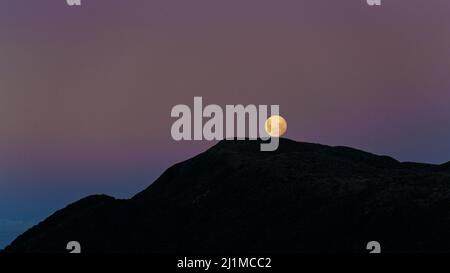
(86, 92)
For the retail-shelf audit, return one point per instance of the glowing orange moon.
(275, 126)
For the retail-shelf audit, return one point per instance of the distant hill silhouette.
(445, 166)
(301, 198)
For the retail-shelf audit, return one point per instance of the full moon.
(275, 126)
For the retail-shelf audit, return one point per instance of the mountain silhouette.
(445, 166)
(233, 198)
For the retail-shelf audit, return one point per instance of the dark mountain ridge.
(301, 198)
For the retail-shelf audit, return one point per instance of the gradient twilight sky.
(86, 92)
